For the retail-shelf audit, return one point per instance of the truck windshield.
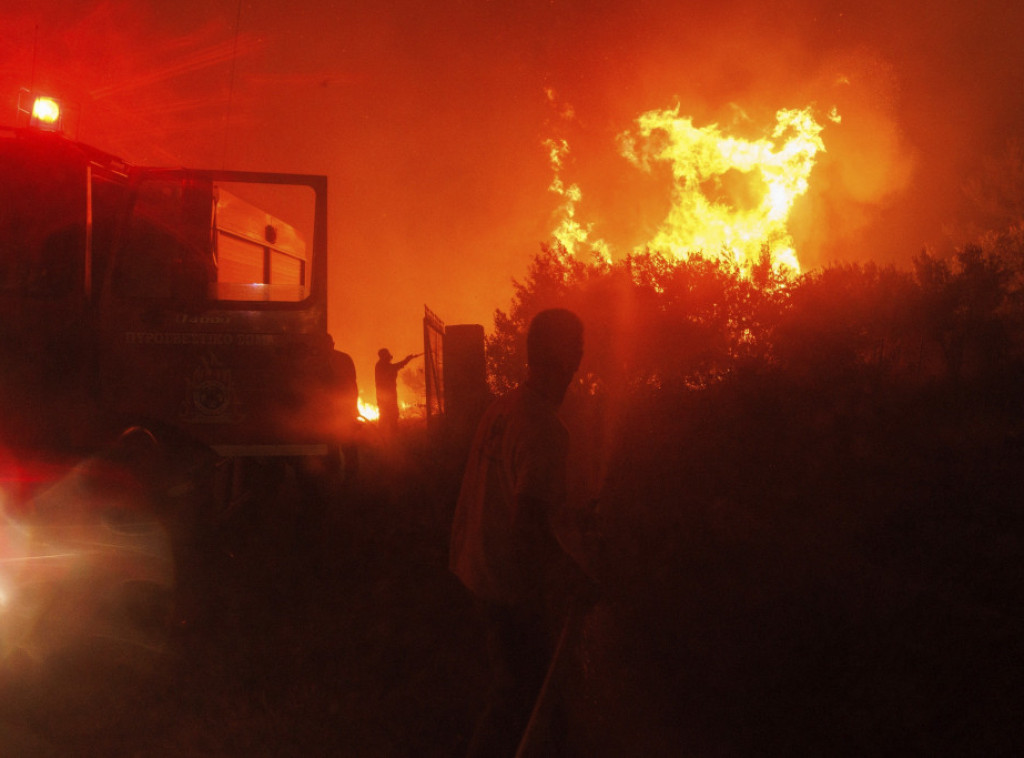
(199, 240)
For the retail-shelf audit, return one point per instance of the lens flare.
(86, 560)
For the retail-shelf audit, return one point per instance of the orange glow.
(370, 412)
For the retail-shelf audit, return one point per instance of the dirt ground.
(347, 636)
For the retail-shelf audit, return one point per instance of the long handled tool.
(552, 679)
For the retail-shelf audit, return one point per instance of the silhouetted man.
(341, 380)
(385, 375)
(504, 548)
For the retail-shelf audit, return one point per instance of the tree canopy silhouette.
(655, 322)
(802, 479)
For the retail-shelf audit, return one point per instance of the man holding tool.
(504, 547)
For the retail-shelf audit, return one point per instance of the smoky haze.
(430, 120)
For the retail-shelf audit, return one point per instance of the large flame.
(731, 196)
(570, 233)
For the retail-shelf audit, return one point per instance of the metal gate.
(433, 366)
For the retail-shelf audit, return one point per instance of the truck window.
(157, 264)
(109, 199)
(194, 240)
(165, 252)
(259, 255)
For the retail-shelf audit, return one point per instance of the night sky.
(430, 119)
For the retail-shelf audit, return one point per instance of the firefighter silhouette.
(385, 375)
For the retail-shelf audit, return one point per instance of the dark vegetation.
(809, 491)
(808, 534)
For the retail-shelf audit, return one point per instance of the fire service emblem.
(210, 395)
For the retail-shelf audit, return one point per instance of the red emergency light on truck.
(164, 298)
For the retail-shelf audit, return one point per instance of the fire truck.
(189, 306)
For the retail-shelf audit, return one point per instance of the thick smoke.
(431, 120)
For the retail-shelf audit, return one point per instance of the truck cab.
(179, 299)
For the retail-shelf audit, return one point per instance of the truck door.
(213, 313)
(44, 232)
